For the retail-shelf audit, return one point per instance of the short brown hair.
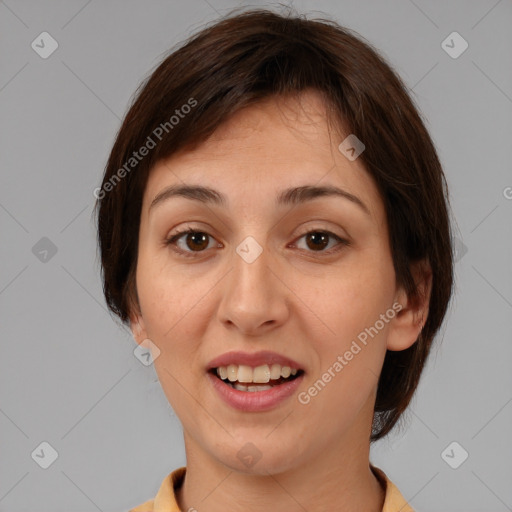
(241, 59)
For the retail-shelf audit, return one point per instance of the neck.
(339, 479)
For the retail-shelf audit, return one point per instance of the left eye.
(197, 241)
(317, 241)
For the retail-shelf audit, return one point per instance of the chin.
(259, 456)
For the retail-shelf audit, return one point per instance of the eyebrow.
(289, 196)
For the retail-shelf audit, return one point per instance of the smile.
(246, 378)
(240, 391)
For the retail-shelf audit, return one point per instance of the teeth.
(275, 371)
(241, 387)
(244, 373)
(258, 388)
(232, 372)
(261, 374)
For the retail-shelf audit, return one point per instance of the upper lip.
(253, 359)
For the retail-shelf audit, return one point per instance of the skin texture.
(294, 299)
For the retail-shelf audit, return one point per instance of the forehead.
(263, 127)
(268, 146)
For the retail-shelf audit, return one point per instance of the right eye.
(190, 239)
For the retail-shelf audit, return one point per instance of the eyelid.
(342, 241)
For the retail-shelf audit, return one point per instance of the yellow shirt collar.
(165, 500)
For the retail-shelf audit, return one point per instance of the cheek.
(166, 295)
(352, 303)
(355, 298)
(352, 354)
(169, 302)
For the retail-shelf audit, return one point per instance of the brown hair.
(241, 59)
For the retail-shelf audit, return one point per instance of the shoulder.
(165, 499)
(393, 500)
(147, 506)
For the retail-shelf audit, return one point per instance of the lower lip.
(255, 401)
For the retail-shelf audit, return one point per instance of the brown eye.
(317, 241)
(190, 241)
(196, 240)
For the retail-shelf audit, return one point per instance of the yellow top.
(165, 500)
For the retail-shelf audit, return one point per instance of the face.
(271, 278)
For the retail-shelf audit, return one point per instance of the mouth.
(255, 379)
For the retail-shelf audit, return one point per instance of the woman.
(273, 225)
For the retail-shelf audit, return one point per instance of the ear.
(406, 326)
(138, 328)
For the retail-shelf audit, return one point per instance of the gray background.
(68, 373)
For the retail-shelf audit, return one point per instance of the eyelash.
(194, 254)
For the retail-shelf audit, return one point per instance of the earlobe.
(138, 329)
(406, 327)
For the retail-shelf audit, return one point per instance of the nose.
(254, 298)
